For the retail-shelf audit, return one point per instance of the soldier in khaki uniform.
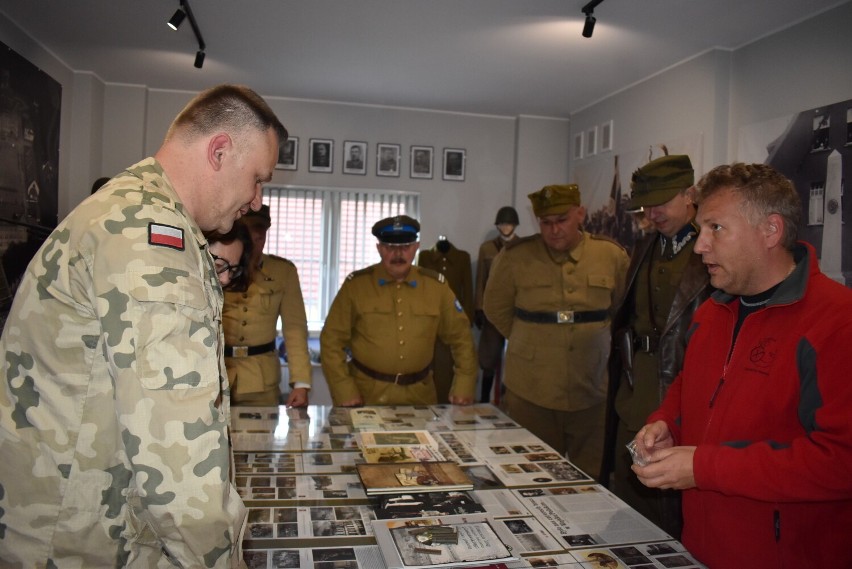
(250, 322)
(551, 295)
(388, 317)
(491, 342)
(114, 402)
(666, 282)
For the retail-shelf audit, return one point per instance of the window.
(327, 234)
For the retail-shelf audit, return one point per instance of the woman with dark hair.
(231, 253)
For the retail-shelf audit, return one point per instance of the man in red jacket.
(756, 427)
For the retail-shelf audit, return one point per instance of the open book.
(399, 446)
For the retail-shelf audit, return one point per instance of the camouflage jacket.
(114, 410)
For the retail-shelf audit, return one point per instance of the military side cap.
(397, 229)
(660, 180)
(555, 199)
(259, 217)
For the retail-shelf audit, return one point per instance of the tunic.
(250, 319)
(391, 328)
(114, 408)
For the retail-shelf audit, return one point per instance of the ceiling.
(502, 57)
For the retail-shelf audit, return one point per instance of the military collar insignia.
(680, 240)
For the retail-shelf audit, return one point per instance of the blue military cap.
(397, 230)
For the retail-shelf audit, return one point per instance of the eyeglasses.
(222, 265)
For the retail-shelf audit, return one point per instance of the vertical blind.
(327, 234)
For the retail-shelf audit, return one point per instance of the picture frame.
(387, 159)
(322, 155)
(591, 141)
(288, 154)
(455, 164)
(354, 157)
(421, 162)
(578, 146)
(606, 136)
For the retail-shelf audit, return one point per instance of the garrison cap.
(397, 230)
(555, 199)
(259, 217)
(660, 180)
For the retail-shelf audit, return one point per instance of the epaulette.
(276, 257)
(433, 274)
(602, 237)
(515, 242)
(359, 272)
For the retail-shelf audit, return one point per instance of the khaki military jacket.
(455, 265)
(391, 328)
(251, 319)
(114, 407)
(557, 366)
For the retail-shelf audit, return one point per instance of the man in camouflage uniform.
(388, 316)
(551, 296)
(114, 410)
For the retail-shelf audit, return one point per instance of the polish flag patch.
(165, 236)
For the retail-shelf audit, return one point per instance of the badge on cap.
(165, 236)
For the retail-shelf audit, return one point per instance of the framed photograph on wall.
(288, 154)
(455, 162)
(421, 161)
(578, 146)
(591, 141)
(606, 136)
(322, 155)
(354, 157)
(387, 159)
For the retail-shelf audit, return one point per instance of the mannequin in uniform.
(455, 265)
(250, 319)
(490, 341)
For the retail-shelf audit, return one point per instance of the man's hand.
(456, 400)
(298, 397)
(670, 468)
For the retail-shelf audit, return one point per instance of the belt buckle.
(565, 317)
(239, 351)
(644, 343)
(396, 379)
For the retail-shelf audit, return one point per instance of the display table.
(296, 472)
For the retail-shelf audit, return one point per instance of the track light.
(199, 59)
(589, 26)
(589, 10)
(177, 19)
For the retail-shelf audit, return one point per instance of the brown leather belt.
(399, 379)
(562, 316)
(246, 351)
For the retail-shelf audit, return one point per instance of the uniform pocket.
(175, 329)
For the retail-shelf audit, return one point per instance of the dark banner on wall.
(30, 104)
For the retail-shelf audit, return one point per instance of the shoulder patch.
(165, 236)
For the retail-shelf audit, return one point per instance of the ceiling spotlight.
(177, 19)
(199, 59)
(589, 26)
(589, 10)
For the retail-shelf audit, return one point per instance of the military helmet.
(507, 214)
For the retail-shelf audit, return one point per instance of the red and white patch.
(165, 236)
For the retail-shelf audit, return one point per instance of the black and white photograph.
(421, 162)
(288, 154)
(387, 159)
(578, 146)
(354, 157)
(591, 141)
(455, 162)
(322, 155)
(606, 136)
